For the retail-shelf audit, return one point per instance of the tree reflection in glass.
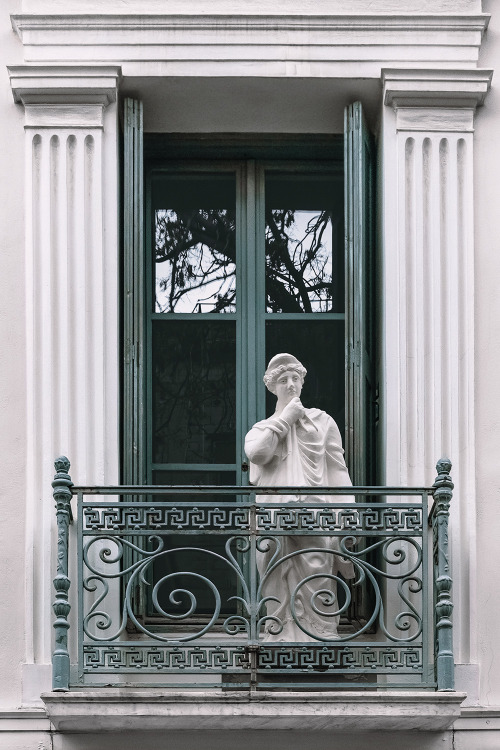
(195, 242)
(195, 254)
(298, 260)
(304, 241)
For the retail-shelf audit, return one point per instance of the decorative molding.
(250, 44)
(435, 119)
(140, 23)
(63, 116)
(445, 89)
(63, 95)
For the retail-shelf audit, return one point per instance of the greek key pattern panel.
(385, 519)
(149, 659)
(121, 657)
(147, 518)
(381, 659)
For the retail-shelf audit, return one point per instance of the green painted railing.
(174, 587)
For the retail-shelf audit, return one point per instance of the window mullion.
(133, 297)
(251, 301)
(359, 239)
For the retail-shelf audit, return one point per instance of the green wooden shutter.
(133, 295)
(359, 160)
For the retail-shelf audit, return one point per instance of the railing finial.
(443, 466)
(62, 495)
(62, 465)
(443, 492)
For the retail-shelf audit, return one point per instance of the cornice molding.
(141, 23)
(369, 40)
(64, 84)
(268, 45)
(442, 89)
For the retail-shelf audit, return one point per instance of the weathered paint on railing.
(443, 491)
(227, 648)
(62, 495)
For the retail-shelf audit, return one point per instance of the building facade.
(393, 106)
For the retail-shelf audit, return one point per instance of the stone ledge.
(123, 709)
(24, 720)
(482, 718)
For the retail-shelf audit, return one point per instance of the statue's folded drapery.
(307, 453)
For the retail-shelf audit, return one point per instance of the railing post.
(62, 495)
(443, 491)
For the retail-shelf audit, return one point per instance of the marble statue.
(298, 447)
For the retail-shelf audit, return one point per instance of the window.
(244, 259)
(229, 257)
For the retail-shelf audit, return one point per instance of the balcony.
(251, 605)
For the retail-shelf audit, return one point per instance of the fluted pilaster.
(429, 299)
(71, 292)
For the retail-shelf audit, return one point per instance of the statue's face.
(288, 386)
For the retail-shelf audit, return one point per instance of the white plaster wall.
(12, 373)
(12, 337)
(487, 343)
(249, 740)
(298, 7)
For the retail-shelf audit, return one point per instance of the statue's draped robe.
(307, 453)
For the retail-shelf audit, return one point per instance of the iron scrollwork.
(394, 557)
(204, 571)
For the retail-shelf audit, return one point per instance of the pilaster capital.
(448, 88)
(435, 100)
(64, 95)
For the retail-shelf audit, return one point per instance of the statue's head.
(279, 364)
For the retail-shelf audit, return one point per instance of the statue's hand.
(293, 411)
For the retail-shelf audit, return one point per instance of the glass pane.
(319, 345)
(304, 243)
(194, 243)
(194, 391)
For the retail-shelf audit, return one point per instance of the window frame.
(358, 161)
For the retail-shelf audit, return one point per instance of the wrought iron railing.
(202, 586)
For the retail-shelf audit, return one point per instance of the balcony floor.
(123, 708)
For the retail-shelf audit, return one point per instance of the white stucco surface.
(12, 376)
(256, 97)
(252, 6)
(487, 343)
